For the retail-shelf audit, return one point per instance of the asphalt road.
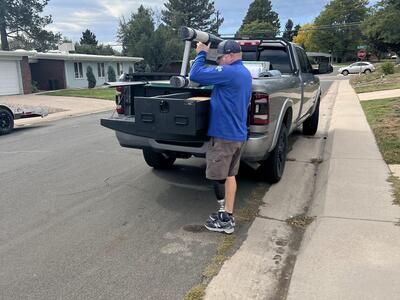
(83, 218)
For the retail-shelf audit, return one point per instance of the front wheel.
(272, 169)
(345, 72)
(158, 160)
(310, 125)
(6, 121)
(367, 71)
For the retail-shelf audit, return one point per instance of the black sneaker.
(220, 226)
(214, 216)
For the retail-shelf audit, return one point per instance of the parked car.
(357, 67)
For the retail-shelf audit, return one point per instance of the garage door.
(9, 79)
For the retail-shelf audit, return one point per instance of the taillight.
(119, 89)
(120, 109)
(249, 42)
(259, 114)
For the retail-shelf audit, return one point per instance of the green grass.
(395, 181)
(99, 93)
(384, 119)
(376, 81)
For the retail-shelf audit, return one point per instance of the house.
(60, 70)
(56, 70)
(15, 75)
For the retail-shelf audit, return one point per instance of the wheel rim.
(5, 120)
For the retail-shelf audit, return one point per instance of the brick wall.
(26, 75)
(49, 74)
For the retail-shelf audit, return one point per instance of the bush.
(35, 86)
(130, 70)
(111, 74)
(90, 77)
(388, 68)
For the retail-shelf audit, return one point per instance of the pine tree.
(88, 38)
(90, 77)
(288, 33)
(199, 14)
(261, 11)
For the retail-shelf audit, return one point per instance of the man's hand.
(202, 47)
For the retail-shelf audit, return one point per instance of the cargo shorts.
(223, 158)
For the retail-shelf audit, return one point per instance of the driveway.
(59, 107)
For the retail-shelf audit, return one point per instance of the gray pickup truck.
(168, 120)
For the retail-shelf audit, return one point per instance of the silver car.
(357, 67)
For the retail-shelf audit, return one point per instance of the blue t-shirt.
(230, 97)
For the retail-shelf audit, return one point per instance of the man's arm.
(207, 75)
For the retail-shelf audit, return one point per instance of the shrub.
(35, 86)
(130, 70)
(388, 68)
(111, 74)
(90, 77)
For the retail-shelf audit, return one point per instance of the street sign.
(361, 54)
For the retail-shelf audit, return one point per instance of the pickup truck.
(10, 113)
(168, 120)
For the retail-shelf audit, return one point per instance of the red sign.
(361, 54)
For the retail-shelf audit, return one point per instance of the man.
(228, 124)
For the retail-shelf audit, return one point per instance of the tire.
(158, 160)
(272, 169)
(310, 125)
(345, 73)
(367, 71)
(6, 121)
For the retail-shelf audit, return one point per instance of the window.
(100, 70)
(120, 68)
(304, 62)
(279, 59)
(78, 70)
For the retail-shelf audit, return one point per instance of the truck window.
(278, 58)
(305, 65)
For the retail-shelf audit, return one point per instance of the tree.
(88, 38)
(261, 11)
(304, 37)
(296, 30)
(90, 77)
(382, 29)
(112, 77)
(139, 38)
(288, 33)
(258, 29)
(95, 50)
(21, 20)
(337, 28)
(199, 14)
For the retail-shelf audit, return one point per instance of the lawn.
(376, 81)
(384, 119)
(99, 93)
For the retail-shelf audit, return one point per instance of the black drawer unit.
(172, 115)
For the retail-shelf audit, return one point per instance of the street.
(83, 218)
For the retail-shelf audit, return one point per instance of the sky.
(102, 17)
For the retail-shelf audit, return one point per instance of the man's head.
(228, 51)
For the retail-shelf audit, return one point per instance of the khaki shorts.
(223, 158)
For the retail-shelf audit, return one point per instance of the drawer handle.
(147, 118)
(181, 120)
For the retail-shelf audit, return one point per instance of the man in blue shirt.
(227, 129)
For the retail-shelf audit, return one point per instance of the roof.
(68, 56)
(318, 54)
(85, 57)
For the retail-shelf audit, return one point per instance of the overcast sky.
(102, 16)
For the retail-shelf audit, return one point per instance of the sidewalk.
(59, 107)
(379, 95)
(351, 251)
(352, 248)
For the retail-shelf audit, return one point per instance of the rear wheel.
(310, 125)
(158, 160)
(345, 72)
(6, 121)
(272, 169)
(367, 71)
